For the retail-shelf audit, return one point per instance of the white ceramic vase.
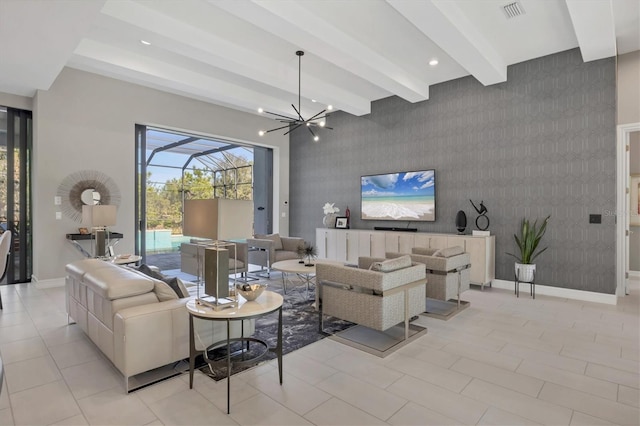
(329, 220)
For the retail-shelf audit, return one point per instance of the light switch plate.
(58, 215)
(57, 200)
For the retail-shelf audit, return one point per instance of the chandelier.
(292, 123)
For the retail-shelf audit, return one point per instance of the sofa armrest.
(264, 245)
(157, 334)
(443, 264)
(148, 336)
(260, 243)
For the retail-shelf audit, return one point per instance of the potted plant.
(307, 251)
(528, 242)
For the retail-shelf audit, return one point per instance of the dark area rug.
(299, 329)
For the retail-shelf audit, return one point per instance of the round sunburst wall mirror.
(86, 187)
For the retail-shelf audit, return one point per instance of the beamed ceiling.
(241, 54)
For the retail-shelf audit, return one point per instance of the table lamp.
(98, 218)
(200, 219)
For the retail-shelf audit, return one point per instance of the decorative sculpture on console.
(461, 222)
(482, 216)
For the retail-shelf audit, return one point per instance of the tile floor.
(502, 361)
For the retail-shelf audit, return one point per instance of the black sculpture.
(482, 216)
(461, 221)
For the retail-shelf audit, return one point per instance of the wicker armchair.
(372, 298)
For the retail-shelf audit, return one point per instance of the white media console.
(346, 245)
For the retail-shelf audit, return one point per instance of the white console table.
(346, 245)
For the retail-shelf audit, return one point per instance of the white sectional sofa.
(138, 322)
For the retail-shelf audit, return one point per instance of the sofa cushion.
(277, 242)
(449, 252)
(391, 265)
(116, 283)
(423, 251)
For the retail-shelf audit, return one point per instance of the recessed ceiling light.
(329, 107)
(313, 100)
(433, 62)
(260, 110)
(145, 42)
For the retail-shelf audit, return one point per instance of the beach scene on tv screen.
(399, 196)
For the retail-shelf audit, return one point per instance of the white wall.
(86, 122)
(15, 101)
(629, 112)
(634, 169)
(629, 88)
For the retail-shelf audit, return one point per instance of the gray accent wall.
(542, 143)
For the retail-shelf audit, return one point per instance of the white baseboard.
(50, 283)
(567, 293)
(634, 274)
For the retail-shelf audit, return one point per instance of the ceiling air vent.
(513, 9)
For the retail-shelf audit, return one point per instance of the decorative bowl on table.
(250, 291)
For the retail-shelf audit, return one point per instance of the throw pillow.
(150, 272)
(177, 286)
(449, 252)
(164, 292)
(277, 241)
(391, 265)
(423, 251)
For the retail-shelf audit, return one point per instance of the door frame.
(622, 206)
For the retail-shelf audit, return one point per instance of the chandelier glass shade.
(296, 121)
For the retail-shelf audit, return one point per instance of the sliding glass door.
(173, 166)
(15, 190)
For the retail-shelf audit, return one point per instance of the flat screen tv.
(407, 196)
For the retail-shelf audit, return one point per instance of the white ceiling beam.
(130, 64)
(447, 26)
(226, 54)
(37, 39)
(593, 23)
(291, 21)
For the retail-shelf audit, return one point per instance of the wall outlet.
(58, 215)
(57, 200)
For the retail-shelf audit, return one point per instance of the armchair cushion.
(277, 241)
(423, 250)
(448, 252)
(292, 243)
(391, 265)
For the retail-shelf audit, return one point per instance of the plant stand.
(532, 284)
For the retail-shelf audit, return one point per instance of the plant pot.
(525, 272)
